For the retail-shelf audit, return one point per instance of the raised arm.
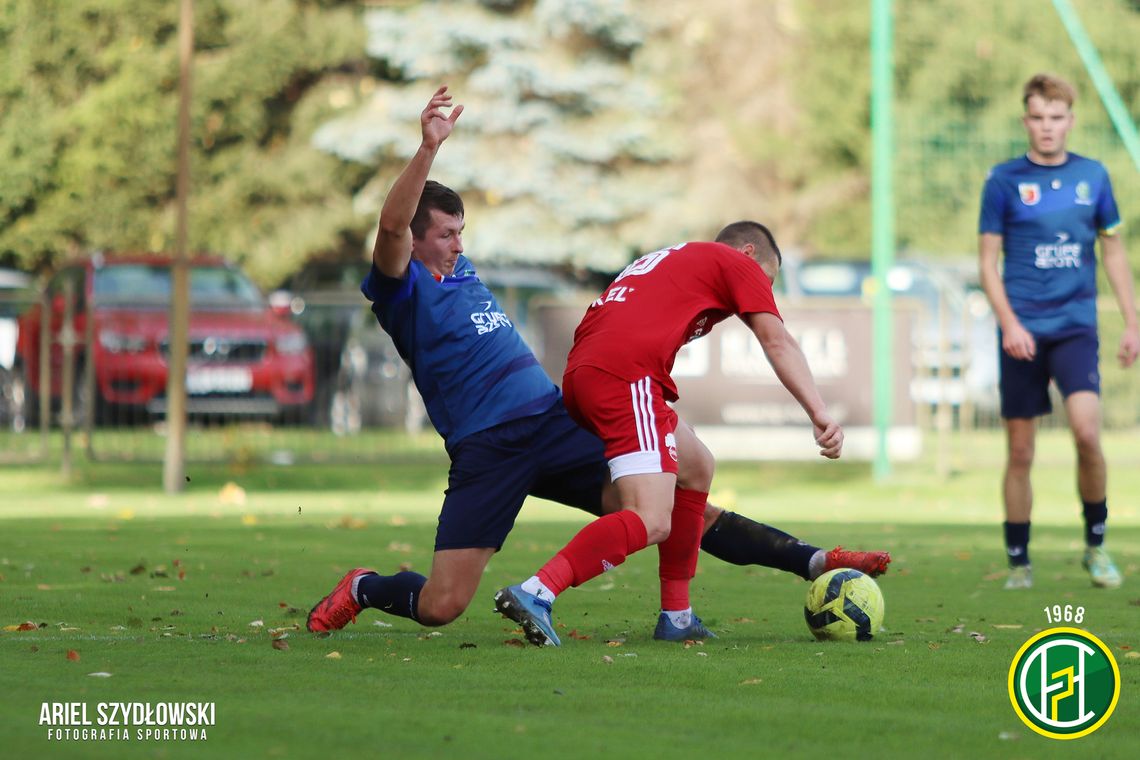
(792, 369)
(393, 249)
(1119, 275)
(1015, 339)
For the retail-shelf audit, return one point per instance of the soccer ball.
(844, 605)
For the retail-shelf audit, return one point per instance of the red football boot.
(868, 563)
(339, 608)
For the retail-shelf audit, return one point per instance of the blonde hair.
(1049, 87)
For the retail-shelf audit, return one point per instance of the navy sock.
(397, 594)
(1017, 543)
(1096, 513)
(739, 541)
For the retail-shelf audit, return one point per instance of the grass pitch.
(181, 598)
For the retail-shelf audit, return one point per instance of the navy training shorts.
(1071, 360)
(493, 471)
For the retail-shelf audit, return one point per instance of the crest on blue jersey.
(1084, 194)
(1030, 193)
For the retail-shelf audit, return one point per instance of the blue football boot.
(530, 612)
(666, 631)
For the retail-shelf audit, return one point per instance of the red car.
(244, 358)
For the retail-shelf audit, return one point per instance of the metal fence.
(363, 407)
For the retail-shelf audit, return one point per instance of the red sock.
(677, 555)
(601, 545)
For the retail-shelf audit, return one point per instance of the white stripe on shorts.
(643, 416)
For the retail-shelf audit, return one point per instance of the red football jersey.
(662, 301)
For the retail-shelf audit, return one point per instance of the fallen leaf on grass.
(28, 626)
(1008, 626)
(100, 674)
(467, 645)
(514, 643)
(1132, 655)
(332, 656)
(231, 493)
(702, 654)
(614, 643)
(934, 645)
(280, 644)
(743, 620)
(43, 587)
(607, 659)
(381, 624)
(978, 637)
(256, 623)
(579, 636)
(138, 569)
(751, 681)
(72, 655)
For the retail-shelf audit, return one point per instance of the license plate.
(218, 380)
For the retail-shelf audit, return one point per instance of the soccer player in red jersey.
(617, 383)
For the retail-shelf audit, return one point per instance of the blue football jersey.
(468, 361)
(1049, 218)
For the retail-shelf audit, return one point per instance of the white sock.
(355, 591)
(680, 618)
(816, 564)
(533, 585)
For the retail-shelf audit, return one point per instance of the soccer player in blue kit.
(1045, 211)
(502, 419)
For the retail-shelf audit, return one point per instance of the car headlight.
(291, 343)
(118, 343)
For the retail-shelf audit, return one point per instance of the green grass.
(925, 687)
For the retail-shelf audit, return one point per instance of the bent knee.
(434, 612)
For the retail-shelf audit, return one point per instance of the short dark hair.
(1049, 87)
(438, 197)
(739, 233)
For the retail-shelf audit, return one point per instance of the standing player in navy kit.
(502, 419)
(1045, 211)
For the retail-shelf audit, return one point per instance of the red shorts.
(632, 419)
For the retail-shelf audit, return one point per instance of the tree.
(89, 88)
(563, 154)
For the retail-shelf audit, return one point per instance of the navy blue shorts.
(1070, 360)
(494, 470)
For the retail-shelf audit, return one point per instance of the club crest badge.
(1084, 194)
(1030, 193)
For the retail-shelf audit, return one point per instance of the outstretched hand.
(828, 436)
(433, 123)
